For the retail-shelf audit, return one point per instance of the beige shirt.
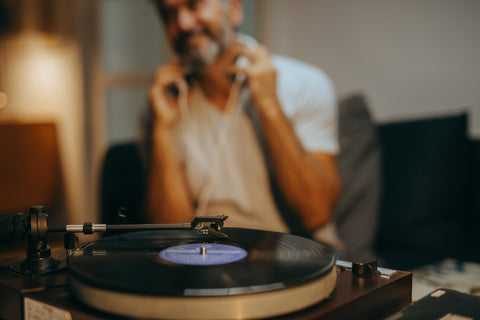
(225, 167)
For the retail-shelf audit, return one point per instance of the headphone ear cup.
(242, 61)
(247, 40)
(189, 78)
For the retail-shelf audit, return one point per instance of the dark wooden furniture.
(374, 297)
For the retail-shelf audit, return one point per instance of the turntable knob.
(364, 269)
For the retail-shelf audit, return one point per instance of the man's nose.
(186, 19)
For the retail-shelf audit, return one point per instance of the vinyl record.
(179, 274)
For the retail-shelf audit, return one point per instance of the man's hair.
(159, 4)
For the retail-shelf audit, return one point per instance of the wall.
(413, 58)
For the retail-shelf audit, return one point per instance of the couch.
(411, 189)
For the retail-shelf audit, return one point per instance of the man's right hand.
(164, 102)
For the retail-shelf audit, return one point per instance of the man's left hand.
(261, 77)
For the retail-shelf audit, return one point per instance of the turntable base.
(177, 275)
(251, 274)
(250, 306)
(197, 270)
(360, 298)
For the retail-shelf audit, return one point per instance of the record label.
(203, 254)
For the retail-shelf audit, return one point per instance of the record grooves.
(126, 274)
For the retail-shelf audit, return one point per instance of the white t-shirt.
(229, 175)
(308, 99)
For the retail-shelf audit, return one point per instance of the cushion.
(475, 198)
(472, 249)
(425, 184)
(359, 168)
(123, 183)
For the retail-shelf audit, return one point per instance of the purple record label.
(203, 254)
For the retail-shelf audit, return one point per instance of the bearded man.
(235, 130)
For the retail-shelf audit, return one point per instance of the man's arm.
(168, 197)
(309, 181)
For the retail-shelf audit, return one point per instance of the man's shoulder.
(284, 61)
(293, 72)
(298, 76)
(291, 65)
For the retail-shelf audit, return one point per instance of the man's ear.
(236, 13)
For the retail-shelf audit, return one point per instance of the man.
(250, 136)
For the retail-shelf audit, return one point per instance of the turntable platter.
(177, 274)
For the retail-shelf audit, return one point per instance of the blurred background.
(74, 76)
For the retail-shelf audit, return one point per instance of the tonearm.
(34, 226)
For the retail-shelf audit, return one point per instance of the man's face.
(198, 30)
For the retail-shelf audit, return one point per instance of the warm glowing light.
(40, 76)
(3, 100)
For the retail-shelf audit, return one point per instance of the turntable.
(197, 270)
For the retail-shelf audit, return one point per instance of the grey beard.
(196, 63)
